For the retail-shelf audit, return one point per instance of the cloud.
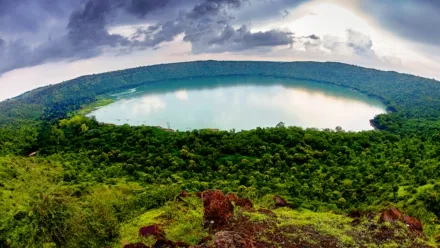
(313, 37)
(355, 43)
(231, 39)
(206, 24)
(212, 7)
(22, 17)
(87, 28)
(84, 33)
(361, 43)
(412, 19)
(213, 31)
(41, 31)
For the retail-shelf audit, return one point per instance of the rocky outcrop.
(229, 239)
(393, 214)
(390, 215)
(217, 209)
(152, 230)
(226, 230)
(413, 224)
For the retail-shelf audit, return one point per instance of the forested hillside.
(87, 183)
(416, 97)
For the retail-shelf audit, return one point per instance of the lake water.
(241, 103)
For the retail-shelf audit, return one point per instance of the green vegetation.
(88, 108)
(93, 185)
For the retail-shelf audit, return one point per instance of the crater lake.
(241, 103)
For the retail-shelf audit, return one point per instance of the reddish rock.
(217, 209)
(227, 239)
(244, 203)
(266, 212)
(390, 215)
(199, 194)
(137, 245)
(413, 224)
(152, 230)
(232, 196)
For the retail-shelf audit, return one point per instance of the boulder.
(413, 224)
(229, 239)
(152, 230)
(390, 215)
(217, 209)
(393, 214)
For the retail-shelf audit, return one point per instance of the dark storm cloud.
(87, 28)
(208, 28)
(241, 39)
(41, 31)
(141, 8)
(412, 19)
(18, 16)
(212, 7)
(83, 32)
(263, 10)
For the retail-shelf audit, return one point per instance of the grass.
(326, 223)
(180, 222)
(185, 221)
(129, 230)
(88, 108)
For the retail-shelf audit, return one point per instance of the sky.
(46, 42)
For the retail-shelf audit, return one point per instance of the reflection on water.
(241, 103)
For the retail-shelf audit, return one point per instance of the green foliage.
(89, 181)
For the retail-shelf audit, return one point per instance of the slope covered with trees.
(88, 179)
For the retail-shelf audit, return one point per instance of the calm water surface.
(241, 103)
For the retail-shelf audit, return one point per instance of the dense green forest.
(87, 178)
